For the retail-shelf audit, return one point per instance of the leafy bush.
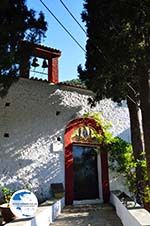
(6, 194)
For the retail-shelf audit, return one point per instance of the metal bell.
(44, 65)
(34, 63)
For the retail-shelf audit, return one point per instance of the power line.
(66, 30)
(133, 101)
(134, 91)
(99, 50)
(97, 47)
(71, 14)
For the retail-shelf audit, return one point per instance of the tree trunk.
(145, 108)
(136, 138)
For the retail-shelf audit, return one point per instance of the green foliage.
(105, 138)
(121, 152)
(121, 158)
(117, 45)
(6, 194)
(17, 23)
(147, 194)
(75, 82)
(117, 56)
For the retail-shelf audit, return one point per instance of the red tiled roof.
(72, 84)
(41, 46)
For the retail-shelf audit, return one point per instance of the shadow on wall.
(26, 156)
(5, 84)
(38, 179)
(34, 165)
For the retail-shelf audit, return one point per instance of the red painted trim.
(43, 52)
(105, 176)
(53, 70)
(69, 175)
(73, 125)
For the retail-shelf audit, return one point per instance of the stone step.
(88, 215)
(87, 207)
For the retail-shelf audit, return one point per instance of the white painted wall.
(31, 154)
(45, 215)
(135, 216)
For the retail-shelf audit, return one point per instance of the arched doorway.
(80, 153)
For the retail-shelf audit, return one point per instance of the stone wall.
(33, 118)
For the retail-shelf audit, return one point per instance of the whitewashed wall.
(31, 155)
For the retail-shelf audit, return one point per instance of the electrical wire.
(71, 14)
(133, 101)
(74, 18)
(99, 49)
(62, 26)
(95, 46)
(134, 91)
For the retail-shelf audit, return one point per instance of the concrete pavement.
(88, 215)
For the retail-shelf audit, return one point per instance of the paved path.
(88, 215)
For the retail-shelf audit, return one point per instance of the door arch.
(71, 127)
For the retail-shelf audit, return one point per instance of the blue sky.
(57, 38)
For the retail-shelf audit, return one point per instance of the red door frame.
(73, 125)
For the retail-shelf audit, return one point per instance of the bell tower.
(50, 60)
